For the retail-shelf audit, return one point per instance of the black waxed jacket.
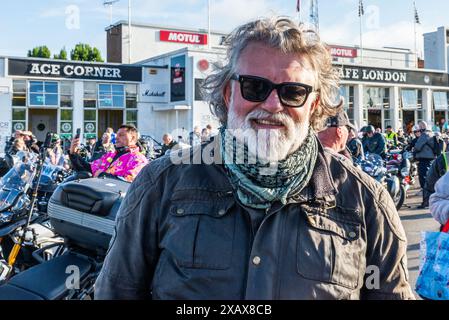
(182, 234)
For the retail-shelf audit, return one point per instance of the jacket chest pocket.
(329, 248)
(201, 234)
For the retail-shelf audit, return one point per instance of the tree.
(84, 52)
(62, 54)
(39, 52)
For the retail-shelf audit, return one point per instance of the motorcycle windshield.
(21, 174)
(8, 198)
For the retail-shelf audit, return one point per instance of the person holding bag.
(434, 248)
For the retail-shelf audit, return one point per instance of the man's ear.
(227, 94)
(339, 133)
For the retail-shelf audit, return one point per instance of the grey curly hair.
(283, 34)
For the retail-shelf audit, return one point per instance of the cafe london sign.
(380, 75)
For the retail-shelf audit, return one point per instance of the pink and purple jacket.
(127, 166)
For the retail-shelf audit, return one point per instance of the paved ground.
(415, 221)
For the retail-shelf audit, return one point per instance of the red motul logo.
(343, 52)
(183, 37)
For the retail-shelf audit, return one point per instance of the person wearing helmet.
(426, 150)
(374, 142)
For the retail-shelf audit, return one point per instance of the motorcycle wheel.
(400, 198)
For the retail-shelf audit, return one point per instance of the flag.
(298, 5)
(361, 10)
(416, 14)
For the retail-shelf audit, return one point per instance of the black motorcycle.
(83, 213)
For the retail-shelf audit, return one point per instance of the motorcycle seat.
(90, 198)
(11, 292)
(48, 280)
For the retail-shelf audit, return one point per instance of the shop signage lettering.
(373, 75)
(364, 74)
(154, 93)
(23, 67)
(343, 52)
(69, 70)
(183, 37)
(149, 93)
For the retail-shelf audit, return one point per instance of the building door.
(41, 121)
(109, 118)
(375, 118)
(409, 120)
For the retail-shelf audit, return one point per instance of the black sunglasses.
(257, 89)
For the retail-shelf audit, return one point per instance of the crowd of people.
(427, 147)
(195, 138)
(120, 155)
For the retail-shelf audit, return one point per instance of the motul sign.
(183, 37)
(343, 52)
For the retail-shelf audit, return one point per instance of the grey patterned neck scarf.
(257, 189)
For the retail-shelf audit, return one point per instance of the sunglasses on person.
(257, 89)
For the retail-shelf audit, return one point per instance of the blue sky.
(63, 23)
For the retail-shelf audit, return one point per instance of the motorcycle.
(374, 166)
(24, 192)
(83, 213)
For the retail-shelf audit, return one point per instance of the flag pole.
(361, 39)
(208, 24)
(129, 31)
(298, 11)
(414, 27)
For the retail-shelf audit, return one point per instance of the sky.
(25, 24)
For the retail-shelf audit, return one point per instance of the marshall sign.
(367, 74)
(56, 69)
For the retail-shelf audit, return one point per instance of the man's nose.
(273, 103)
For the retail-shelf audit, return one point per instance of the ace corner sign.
(57, 69)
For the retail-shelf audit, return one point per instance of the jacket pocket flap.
(346, 229)
(216, 208)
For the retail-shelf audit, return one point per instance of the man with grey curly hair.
(274, 215)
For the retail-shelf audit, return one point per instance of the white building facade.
(161, 92)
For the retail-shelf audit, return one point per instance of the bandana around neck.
(259, 185)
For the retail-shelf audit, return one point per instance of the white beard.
(269, 145)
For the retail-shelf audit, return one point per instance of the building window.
(19, 119)
(111, 95)
(131, 117)
(66, 125)
(43, 93)
(19, 93)
(347, 93)
(90, 95)
(440, 100)
(131, 96)
(411, 99)
(66, 94)
(90, 123)
(376, 98)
